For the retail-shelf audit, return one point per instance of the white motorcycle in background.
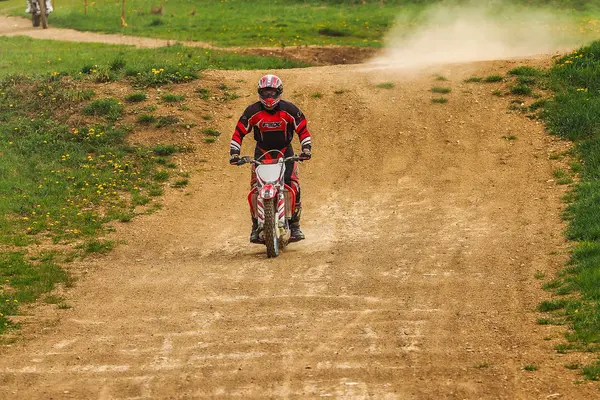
(39, 10)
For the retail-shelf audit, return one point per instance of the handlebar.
(250, 160)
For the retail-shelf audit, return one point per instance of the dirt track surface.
(425, 227)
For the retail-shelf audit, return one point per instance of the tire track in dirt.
(424, 227)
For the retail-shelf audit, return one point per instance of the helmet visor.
(268, 93)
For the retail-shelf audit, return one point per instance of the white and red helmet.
(270, 89)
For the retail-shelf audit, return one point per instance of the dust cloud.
(468, 33)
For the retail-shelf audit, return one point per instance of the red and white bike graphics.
(272, 201)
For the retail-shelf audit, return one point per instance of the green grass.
(521, 90)
(166, 120)
(112, 109)
(173, 98)
(136, 97)
(203, 93)
(25, 279)
(572, 113)
(237, 22)
(524, 71)
(442, 90)
(493, 79)
(530, 367)
(181, 183)
(146, 119)
(386, 85)
(211, 132)
(439, 100)
(63, 180)
(141, 67)
(276, 23)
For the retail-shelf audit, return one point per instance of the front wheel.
(270, 229)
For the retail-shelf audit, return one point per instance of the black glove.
(234, 159)
(305, 155)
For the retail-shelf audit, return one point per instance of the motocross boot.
(295, 233)
(254, 238)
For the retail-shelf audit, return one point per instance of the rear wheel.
(43, 15)
(270, 229)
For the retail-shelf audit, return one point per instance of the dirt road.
(425, 227)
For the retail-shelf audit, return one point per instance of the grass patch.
(166, 120)
(524, 71)
(181, 183)
(473, 79)
(161, 176)
(316, 95)
(173, 98)
(521, 90)
(110, 108)
(136, 97)
(228, 96)
(211, 132)
(24, 280)
(526, 80)
(493, 79)
(141, 67)
(260, 23)
(97, 246)
(333, 32)
(442, 90)
(439, 100)
(63, 180)
(204, 93)
(530, 367)
(386, 85)
(146, 119)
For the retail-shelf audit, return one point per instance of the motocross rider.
(273, 122)
(49, 8)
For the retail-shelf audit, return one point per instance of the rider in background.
(49, 8)
(274, 122)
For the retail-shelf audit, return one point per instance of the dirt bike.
(39, 12)
(272, 201)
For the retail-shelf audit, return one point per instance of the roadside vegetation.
(567, 99)
(276, 23)
(63, 180)
(574, 115)
(105, 63)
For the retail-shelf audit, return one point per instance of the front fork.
(259, 212)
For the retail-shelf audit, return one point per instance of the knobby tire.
(270, 228)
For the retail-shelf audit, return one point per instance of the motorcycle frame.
(276, 189)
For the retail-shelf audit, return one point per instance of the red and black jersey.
(273, 129)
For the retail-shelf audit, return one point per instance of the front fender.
(268, 192)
